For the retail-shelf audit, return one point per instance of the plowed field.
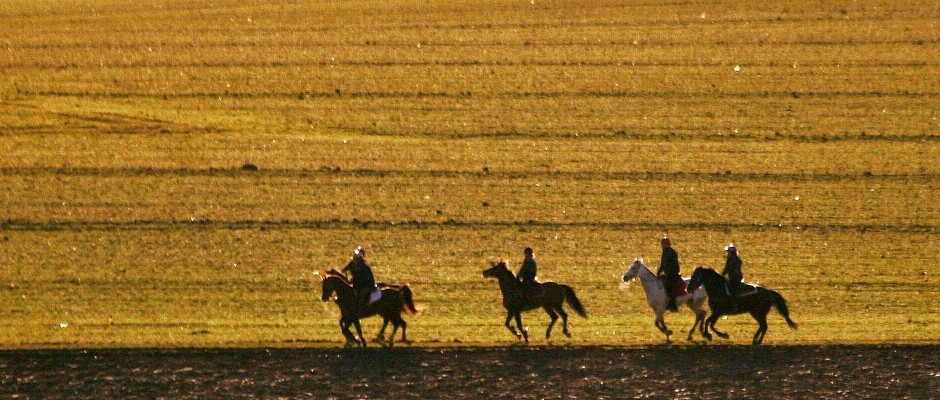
(895, 372)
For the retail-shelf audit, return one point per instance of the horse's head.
(331, 284)
(634, 270)
(497, 270)
(698, 277)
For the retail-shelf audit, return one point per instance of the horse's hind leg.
(699, 318)
(761, 329)
(554, 317)
(564, 320)
(391, 338)
(404, 328)
(381, 336)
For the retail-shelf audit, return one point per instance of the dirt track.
(581, 372)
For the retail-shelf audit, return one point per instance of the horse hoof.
(567, 334)
(724, 335)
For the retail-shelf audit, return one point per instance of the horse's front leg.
(362, 340)
(704, 328)
(661, 324)
(512, 328)
(524, 331)
(714, 320)
(344, 328)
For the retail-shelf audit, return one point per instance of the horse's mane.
(383, 286)
(709, 272)
(333, 273)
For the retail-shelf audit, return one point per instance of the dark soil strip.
(486, 173)
(836, 371)
(203, 224)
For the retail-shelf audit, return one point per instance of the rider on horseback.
(669, 270)
(531, 288)
(733, 270)
(362, 278)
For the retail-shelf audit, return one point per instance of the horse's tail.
(408, 298)
(574, 302)
(781, 305)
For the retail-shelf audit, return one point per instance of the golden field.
(445, 135)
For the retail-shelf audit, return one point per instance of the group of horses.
(704, 285)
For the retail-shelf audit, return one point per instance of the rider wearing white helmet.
(362, 278)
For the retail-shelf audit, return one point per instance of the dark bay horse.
(554, 295)
(395, 299)
(757, 302)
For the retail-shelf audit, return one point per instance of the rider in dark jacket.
(526, 275)
(733, 270)
(362, 279)
(669, 268)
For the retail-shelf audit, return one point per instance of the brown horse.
(554, 295)
(394, 300)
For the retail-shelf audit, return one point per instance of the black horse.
(757, 301)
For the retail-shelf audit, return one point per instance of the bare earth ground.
(834, 371)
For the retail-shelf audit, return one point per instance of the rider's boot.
(671, 306)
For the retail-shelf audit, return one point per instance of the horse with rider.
(522, 292)
(363, 297)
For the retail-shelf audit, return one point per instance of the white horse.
(657, 298)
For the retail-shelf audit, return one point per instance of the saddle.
(374, 296)
(744, 289)
(679, 288)
(532, 290)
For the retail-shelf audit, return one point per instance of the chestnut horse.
(394, 300)
(757, 301)
(554, 295)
